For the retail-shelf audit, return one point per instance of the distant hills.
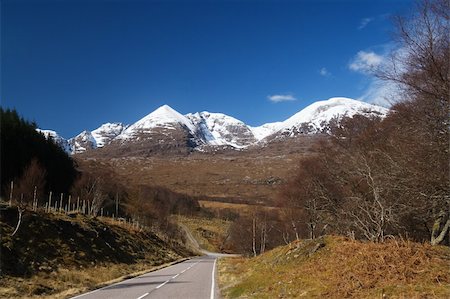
(167, 130)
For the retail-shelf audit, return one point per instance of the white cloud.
(364, 22)
(324, 72)
(365, 62)
(382, 93)
(377, 91)
(277, 98)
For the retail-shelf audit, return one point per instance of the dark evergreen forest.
(21, 143)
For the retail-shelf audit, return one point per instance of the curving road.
(194, 278)
(191, 279)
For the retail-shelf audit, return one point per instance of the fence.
(66, 204)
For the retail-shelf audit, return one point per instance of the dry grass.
(218, 206)
(211, 233)
(221, 208)
(339, 268)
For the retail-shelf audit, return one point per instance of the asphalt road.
(194, 278)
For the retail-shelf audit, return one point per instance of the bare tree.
(90, 189)
(422, 69)
(29, 188)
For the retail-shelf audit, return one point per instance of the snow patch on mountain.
(83, 142)
(107, 132)
(265, 130)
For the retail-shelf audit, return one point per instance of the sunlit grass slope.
(336, 267)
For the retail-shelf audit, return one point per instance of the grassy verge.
(334, 267)
(65, 283)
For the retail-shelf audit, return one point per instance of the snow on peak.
(163, 117)
(218, 129)
(324, 111)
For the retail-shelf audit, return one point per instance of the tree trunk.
(254, 236)
(439, 231)
(294, 227)
(18, 222)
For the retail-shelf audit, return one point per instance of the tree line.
(381, 177)
(375, 178)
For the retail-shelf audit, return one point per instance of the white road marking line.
(142, 296)
(173, 277)
(85, 294)
(162, 284)
(213, 279)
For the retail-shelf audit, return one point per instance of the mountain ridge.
(204, 130)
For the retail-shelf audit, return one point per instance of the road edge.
(125, 277)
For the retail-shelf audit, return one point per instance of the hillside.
(251, 175)
(336, 267)
(61, 255)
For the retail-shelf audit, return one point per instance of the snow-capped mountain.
(166, 130)
(63, 143)
(162, 118)
(316, 117)
(220, 129)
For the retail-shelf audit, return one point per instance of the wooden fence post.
(49, 202)
(35, 199)
(11, 193)
(61, 202)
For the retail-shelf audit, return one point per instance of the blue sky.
(73, 65)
